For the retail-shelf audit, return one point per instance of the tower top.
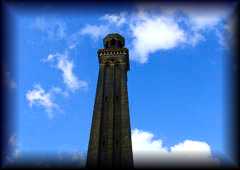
(114, 40)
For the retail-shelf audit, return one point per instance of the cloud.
(57, 90)
(69, 78)
(151, 152)
(154, 33)
(13, 151)
(195, 37)
(101, 30)
(73, 157)
(143, 141)
(66, 67)
(95, 31)
(14, 146)
(53, 28)
(155, 27)
(205, 17)
(118, 20)
(56, 29)
(199, 16)
(38, 96)
(189, 147)
(226, 35)
(73, 40)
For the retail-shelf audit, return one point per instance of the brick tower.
(110, 139)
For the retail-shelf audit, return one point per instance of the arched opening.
(106, 99)
(119, 44)
(107, 63)
(112, 43)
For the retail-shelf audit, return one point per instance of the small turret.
(114, 40)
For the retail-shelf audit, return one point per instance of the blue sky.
(178, 80)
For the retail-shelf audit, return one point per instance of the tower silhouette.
(110, 138)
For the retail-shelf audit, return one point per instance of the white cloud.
(195, 37)
(68, 77)
(226, 35)
(14, 146)
(73, 40)
(204, 20)
(13, 150)
(115, 19)
(57, 90)
(189, 147)
(205, 17)
(66, 67)
(44, 99)
(73, 157)
(154, 33)
(143, 141)
(158, 26)
(199, 16)
(13, 140)
(53, 28)
(148, 151)
(95, 31)
(77, 156)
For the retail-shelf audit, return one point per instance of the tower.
(110, 139)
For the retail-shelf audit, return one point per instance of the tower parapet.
(114, 51)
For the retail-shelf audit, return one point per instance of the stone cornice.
(114, 56)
